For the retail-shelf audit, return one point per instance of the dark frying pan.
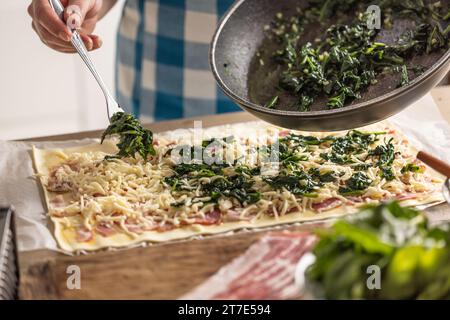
(241, 35)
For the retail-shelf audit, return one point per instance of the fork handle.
(58, 7)
(78, 44)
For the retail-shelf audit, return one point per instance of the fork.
(112, 106)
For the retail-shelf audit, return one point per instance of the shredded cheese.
(130, 194)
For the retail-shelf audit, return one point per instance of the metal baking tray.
(9, 271)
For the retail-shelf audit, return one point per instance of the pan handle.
(435, 163)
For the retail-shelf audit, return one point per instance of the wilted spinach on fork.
(134, 139)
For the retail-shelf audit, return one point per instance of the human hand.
(82, 15)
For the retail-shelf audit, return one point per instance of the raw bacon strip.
(406, 196)
(265, 271)
(104, 230)
(84, 235)
(133, 226)
(135, 229)
(233, 215)
(211, 218)
(58, 201)
(327, 204)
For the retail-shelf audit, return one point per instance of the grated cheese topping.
(133, 195)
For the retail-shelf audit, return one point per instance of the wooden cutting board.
(155, 272)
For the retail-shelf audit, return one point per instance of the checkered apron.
(162, 69)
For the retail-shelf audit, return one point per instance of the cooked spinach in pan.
(337, 66)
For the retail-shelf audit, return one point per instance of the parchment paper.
(422, 123)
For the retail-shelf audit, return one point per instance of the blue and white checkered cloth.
(162, 67)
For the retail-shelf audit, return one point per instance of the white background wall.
(43, 92)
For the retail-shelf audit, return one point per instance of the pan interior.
(244, 44)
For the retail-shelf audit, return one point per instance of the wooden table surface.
(155, 272)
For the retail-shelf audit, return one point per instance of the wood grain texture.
(156, 272)
(164, 271)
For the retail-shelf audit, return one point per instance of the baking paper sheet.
(422, 123)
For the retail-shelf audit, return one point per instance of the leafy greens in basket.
(413, 257)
